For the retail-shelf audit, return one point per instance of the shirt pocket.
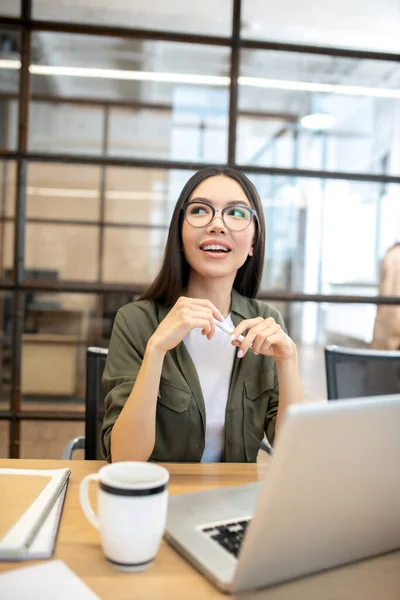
(173, 423)
(257, 392)
(174, 397)
(258, 385)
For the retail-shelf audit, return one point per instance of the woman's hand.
(185, 315)
(265, 336)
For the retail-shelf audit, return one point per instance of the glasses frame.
(253, 214)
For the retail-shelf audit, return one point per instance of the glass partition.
(10, 62)
(319, 112)
(204, 17)
(7, 212)
(350, 26)
(326, 236)
(160, 99)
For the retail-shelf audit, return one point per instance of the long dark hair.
(173, 277)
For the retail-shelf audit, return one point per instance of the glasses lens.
(237, 217)
(198, 214)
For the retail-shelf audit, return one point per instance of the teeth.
(215, 247)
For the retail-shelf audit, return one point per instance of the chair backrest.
(354, 372)
(95, 362)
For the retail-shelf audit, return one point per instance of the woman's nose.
(217, 224)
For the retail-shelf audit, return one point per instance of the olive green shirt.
(252, 403)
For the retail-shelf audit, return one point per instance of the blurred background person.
(386, 334)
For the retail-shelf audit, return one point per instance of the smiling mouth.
(215, 249)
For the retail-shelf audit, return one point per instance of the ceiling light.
(318, 121)
(94, 194)
(10, 64)
(211, 80)
(130, 75)
(324, 88)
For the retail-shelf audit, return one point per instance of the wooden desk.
(170, 576)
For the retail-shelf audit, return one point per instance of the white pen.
(227, 330)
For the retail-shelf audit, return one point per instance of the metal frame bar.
(188, 38)
(19, 235)
(193, 166)
(112, 31)
(87, 287)
(234, 88)
(134, 105)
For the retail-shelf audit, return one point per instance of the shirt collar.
(240, 305)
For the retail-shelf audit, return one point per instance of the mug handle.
(84, 499)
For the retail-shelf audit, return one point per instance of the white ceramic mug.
(132, 510)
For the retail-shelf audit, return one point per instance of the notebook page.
(44, 582)
(17, 492)
(22, 530)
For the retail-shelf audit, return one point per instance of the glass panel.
(141, 202)
(7, 203)
(149, 14)
(58, 251)
(132, 255)
(184, 130)
(142, 196)
(166, 100)
(4, 437)
(47, 439)
(9, 85)
(359, 101)
(65, 128)
(355, 27)
(325, 236)
(58, 328)
(63, 192)
(5, 364)
(313, 325)
(10, 8)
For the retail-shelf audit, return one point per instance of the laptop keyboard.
(228, 535)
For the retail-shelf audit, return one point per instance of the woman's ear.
(251, 251)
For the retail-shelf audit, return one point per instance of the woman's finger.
(244, 325)
(263, 335)
(201, 312)
(192, 302)
(202, 324)
(257, 335)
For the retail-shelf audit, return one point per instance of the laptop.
(330, 497)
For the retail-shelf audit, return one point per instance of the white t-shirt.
(213, 360)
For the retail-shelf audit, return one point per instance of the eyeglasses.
(236, 217)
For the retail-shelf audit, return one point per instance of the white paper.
(44, 582)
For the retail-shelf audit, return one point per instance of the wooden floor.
(47, 439)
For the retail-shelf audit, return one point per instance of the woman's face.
(219, 191)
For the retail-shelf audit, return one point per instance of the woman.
(179, 388)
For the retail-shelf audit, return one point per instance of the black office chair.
(355, 372)
(94, 401)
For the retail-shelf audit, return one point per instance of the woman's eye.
(238, 212)
(198, 210)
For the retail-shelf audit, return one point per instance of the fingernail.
(233, 337)
(240, 353)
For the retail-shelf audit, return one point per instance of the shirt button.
(231, 410)
(197, 445)
(230, 442)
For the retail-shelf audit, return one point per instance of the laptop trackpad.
(214, 505)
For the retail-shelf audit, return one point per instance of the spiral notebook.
(31, 503)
